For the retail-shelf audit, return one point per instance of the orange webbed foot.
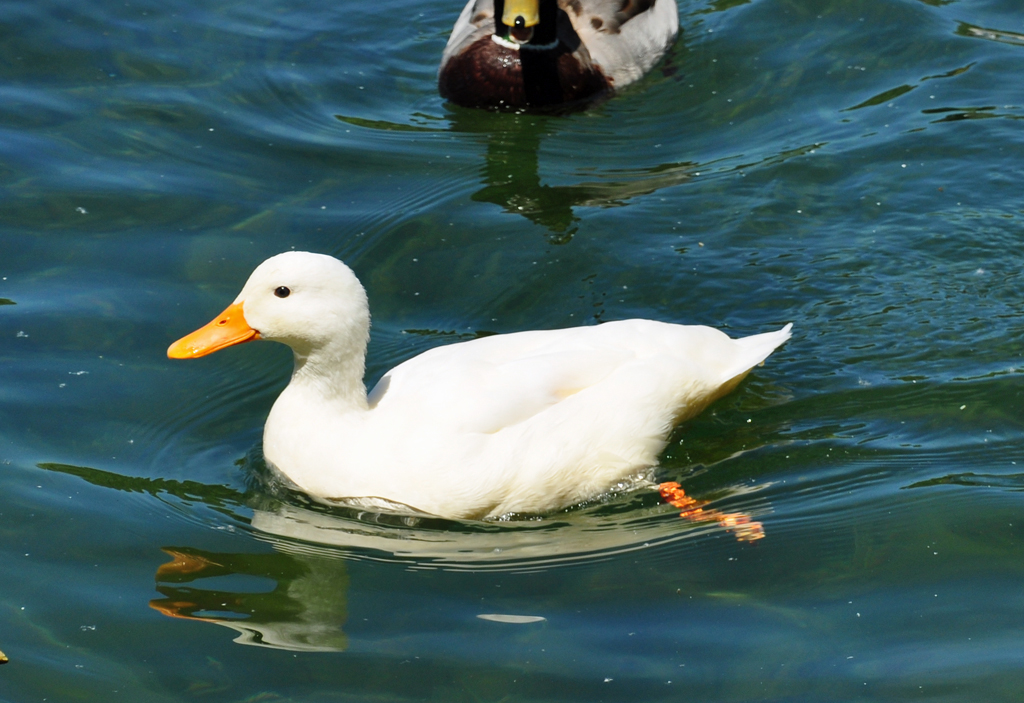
(740, 524)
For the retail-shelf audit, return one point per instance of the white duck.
(528, 422)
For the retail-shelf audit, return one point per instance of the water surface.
(852, 167)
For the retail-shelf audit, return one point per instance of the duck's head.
(530, 23)
(308, 301)
(520, 17)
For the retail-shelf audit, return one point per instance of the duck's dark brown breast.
(486, 74)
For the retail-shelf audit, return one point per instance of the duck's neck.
(333, 374)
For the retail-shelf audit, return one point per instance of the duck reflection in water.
(304, 611)
(295, 597)
(512, 176)
(307, 607)
(511, 173)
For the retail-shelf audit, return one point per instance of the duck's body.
(536, 53)
(520, 423)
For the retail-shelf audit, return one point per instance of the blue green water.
(854, 167)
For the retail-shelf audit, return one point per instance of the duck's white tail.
(757, 348)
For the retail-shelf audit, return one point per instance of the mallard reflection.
(511, 171)
(512, 179)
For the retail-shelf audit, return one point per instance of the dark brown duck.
(537, 53)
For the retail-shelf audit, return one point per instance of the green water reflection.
(304, 612)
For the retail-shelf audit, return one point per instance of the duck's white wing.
(627, 38)
(493, 383)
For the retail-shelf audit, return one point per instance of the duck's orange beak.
(225, 330)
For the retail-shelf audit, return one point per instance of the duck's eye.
(282, 292)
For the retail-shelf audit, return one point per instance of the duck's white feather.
(470, 22)
(625, 47)
(526, 422)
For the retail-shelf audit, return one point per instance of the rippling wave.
(620, 522)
